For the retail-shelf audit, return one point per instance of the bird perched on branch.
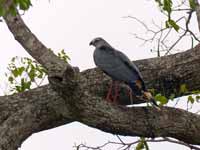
(119, 67)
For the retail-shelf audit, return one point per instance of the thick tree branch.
(40, 109)
(26, 113)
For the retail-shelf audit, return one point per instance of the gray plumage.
(118, 66)
(114, 63)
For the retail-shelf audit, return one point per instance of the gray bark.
(73, 96)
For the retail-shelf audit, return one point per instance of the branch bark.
(197, 9)
(80, 97)
(39, 109)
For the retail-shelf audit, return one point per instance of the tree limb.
(39, 109)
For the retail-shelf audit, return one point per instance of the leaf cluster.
(166, 6)
(16, 4)
(142, 145)
(25, 73)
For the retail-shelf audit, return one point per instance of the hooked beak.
(91, 43)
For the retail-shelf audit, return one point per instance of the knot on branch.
(65, 83)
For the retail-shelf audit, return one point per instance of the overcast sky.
(71, 25)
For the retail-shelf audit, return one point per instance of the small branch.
(141, 22)
(182, 143)
(127, 146)
(175, 43)
(197, 10)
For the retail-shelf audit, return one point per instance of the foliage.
(183, 89)
(167, 7)
(20, 4)
(178, 16)
(142, 145)
(62, 55)
(161, 99)
(193, 96)
(25, 73)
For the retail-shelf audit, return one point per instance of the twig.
(127, 146)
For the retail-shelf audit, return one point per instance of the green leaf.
(174, 24)
(167, 6)
(196, 92)
(162, 99)
(197, 98)
(15, 72)
(20, 70)
(183, 89)
(18, 88)
(190, 99)
(11, 79)
(140, 145)
(25, 85)
(2, 11)
(192, 4)
(13, 10)
(32, 74)
(62, 55)
(23, 4)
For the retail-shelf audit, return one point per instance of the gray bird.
(119, 67)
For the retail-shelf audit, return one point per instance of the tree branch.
(39, 109)
(197, 9)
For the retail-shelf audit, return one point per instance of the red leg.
(109, 94)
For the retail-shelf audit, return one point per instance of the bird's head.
(99, 42)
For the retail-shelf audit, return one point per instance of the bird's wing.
(139, 80)
(128, 63)
(101, 59)
(106, 59)
(118, 66)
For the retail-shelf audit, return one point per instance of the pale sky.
(71, 25)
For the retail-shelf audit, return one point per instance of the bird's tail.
(149, 97)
